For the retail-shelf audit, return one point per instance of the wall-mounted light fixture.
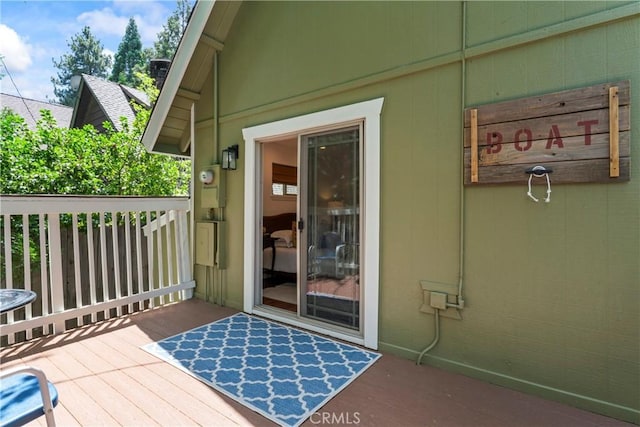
(230, 157)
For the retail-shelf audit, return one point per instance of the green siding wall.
(552, 290)
(562, 279)
(305, 46)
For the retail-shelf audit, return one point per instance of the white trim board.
(369, 112)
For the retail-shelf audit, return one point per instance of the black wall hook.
(538, 170)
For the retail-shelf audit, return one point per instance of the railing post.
(8, 264)
(55, 269)
(183, 252)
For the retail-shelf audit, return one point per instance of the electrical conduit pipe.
(459, 301)
(435, 339)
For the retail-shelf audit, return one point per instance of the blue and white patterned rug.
(280, 372)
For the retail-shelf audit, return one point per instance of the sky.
(33, 32)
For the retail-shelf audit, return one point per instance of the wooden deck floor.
(105, 378)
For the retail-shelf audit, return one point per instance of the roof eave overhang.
(171, 85)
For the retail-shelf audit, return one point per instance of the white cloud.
(35, 84)
(149, 17)
(28, 49)
(14, 49)
(39, 88)
(152, 10)
(104, 21)
(109, 52)
(148, 31)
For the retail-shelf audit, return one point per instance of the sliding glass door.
(330, 233)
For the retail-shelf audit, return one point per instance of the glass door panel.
(330, 239)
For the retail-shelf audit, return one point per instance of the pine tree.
(86, 57)
(169, 37)
(129, 58)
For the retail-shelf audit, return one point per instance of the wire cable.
(17, 90)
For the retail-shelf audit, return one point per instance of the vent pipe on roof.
(158, 69)
(75, 81)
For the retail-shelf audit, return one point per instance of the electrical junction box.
(441, 291)
(205, 247)
(213, 194)
(438, 300)
(210, 237)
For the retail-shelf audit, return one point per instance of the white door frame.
(369, 112)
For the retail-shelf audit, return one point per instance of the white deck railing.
(91, 258)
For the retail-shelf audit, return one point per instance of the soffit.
(168, 130)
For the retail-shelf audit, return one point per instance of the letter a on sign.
(554, 137)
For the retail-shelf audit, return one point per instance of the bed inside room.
(279, 261)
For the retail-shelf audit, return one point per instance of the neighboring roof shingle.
(137, 95)
(113, 99)
(29, 109)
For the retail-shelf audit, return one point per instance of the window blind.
(284, 174)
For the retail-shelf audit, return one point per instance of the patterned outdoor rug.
(280, 372)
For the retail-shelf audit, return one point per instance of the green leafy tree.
(129, 57)
(171, 33)
(147, 55)
(53, 160)
(86, 57)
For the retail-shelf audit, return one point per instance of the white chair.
(347, 261)
(25, 394)
(322, 259)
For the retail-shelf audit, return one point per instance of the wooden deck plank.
(75, 398)
(187, 394)
(120, 376)
(104, 377)
(166, 383)
(107, 393)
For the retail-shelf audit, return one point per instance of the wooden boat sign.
(582, 135)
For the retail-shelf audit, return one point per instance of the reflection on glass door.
(330, 209)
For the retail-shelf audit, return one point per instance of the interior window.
(284, 180)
